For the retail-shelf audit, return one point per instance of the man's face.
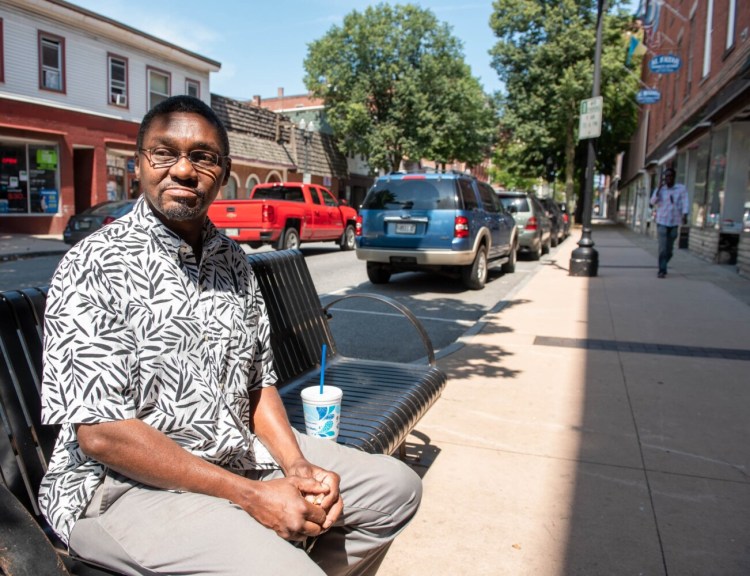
(181, 194)
(669, 178)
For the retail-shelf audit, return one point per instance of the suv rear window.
(520, 202)
(411, 194)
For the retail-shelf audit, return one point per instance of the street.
(363, 328)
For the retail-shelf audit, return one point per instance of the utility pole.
(584, 260)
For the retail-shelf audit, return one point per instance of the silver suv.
(534, 226)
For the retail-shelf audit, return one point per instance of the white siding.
(85, 67)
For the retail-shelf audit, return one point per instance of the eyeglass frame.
(147, 152)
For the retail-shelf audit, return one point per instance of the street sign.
(665, 64)
(648, 96)
(590, 121)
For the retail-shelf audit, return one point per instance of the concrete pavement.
(15, 246)
(590, 426)
(594, 426)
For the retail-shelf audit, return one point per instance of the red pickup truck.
(285, 214)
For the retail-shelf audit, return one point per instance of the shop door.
(83, 176)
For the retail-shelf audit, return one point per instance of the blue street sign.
(665, 64)
(648, 96)
(131, 165)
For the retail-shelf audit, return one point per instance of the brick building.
(697, 67)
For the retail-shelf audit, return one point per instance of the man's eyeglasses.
(163, 157)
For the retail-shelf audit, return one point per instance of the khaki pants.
(142, 530)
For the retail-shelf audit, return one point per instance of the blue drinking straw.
(322, 368)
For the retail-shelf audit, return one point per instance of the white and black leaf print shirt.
(136, 328)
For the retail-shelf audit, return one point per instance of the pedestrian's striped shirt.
(136, 328)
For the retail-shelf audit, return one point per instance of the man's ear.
(137, 166)
(227, 171)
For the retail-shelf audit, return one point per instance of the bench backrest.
(299, 326)
(26, 445)
(299, 329)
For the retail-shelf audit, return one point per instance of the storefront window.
(716, 178)
(29, 176)
(699, 187)
(116, 166)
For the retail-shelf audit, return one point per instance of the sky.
(261, 45)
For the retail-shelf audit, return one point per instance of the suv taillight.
(358, 226)
(268, 214)
(108, 220)
(565, 218)
(461, 227)
(531, 223)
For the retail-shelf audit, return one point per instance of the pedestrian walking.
(671, 202)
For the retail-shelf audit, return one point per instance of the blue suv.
(442, 221)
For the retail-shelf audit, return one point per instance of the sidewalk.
(594, 426)
(14, 246)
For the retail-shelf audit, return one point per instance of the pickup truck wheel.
(347, 238)
(510, 266)
(288, 240)
(474, 276)
(377, 273)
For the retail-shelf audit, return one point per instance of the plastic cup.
(322, 411)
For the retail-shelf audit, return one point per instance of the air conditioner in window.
(120, 99)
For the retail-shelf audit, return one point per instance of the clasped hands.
(305, 503)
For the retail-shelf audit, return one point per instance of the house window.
(118, 81)
(158, 86)
(51, 62)
(731, 23)
(193, 88)
(230, 190)
(707, 39)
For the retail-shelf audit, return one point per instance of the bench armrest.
(398, 306)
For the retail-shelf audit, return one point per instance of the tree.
(545, 57)
(395, 85)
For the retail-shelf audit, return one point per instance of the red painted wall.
(68, 129)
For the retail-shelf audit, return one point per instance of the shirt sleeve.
(654, 200)
(262, 371)
(89, 351)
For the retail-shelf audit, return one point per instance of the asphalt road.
(362, 327)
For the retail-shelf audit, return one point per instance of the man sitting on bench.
(176, 455)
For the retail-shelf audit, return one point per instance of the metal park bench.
(382, 403)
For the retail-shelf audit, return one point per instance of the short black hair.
(188, 104)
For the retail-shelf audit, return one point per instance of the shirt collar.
(171, 243)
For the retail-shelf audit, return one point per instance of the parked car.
(534, 227)
(441, 221)
(92, 219)
(566, 217)
(556, 218)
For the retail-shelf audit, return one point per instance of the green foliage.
(545, 56)
(395, 85)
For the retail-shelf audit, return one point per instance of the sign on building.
(648, 96)
(665, 64)
(590, 121)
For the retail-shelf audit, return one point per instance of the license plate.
(404, 228)
(83, 225)
(231, 232)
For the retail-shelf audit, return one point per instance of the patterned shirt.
(671, 204)
(136, 328)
